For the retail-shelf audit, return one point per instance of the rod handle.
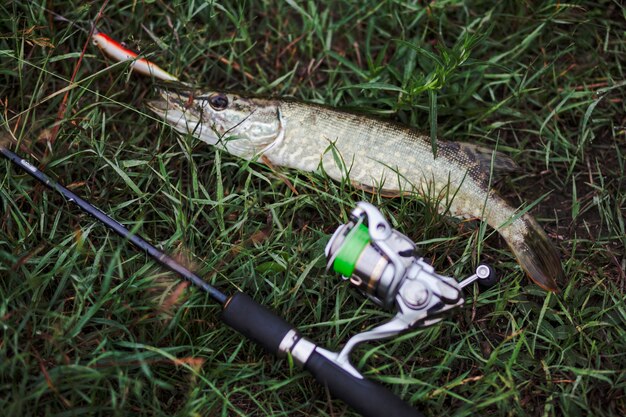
(364, 396)
(255, 322)
(259, 324)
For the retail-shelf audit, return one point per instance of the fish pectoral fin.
(279, 174)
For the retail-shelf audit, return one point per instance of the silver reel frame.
(419, 295)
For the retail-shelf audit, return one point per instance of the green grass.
(89, 326)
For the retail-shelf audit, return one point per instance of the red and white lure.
(116, 51)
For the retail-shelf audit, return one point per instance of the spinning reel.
(385, 266)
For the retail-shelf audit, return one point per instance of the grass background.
(89, 326)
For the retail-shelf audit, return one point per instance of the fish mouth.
(177, 110)
(159, 107)
(173, 96)
(174, 106)
(168, 100)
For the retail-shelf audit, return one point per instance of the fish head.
(246, 127)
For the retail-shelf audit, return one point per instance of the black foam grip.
(366, 397)
(255, 322)
(258, 323)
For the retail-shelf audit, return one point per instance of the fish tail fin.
(537, 255)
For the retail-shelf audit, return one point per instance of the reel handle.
(278, 337)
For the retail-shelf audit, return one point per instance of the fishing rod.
(378, 260)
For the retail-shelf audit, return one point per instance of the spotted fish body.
(372, 153)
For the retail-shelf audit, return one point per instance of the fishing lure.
(118, 52)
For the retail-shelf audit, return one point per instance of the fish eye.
(218, 101)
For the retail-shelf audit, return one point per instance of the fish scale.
(394, 167)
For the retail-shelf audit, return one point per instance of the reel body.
(385, 266)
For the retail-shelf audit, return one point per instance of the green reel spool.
(351, 248)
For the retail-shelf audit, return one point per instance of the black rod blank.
(96, 213)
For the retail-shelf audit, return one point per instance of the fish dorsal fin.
(482, 162)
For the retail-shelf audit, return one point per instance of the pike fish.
(372, 153)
